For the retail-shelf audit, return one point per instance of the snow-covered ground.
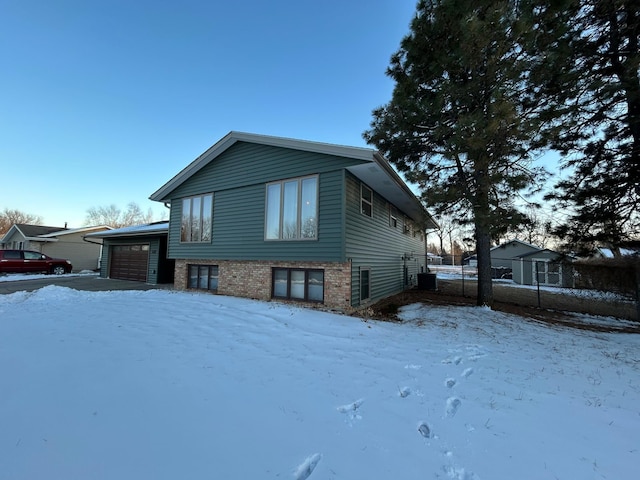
(16, 277)
(174, 385)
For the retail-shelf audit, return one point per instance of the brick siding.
(252, 279)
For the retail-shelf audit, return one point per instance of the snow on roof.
(69, 231)
(159, 227)
(515, 240)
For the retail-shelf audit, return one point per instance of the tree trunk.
(483, 252)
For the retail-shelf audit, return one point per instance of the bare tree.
(115, 217)
(9, 217)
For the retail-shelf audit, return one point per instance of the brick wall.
(252, 279)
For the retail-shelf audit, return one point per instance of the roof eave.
(162, 194)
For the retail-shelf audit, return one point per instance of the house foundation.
(254, 278)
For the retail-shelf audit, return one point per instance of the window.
(298, 284)
(407, 226)
(393, 216)
(365, 283)
(292, 209)
(196, 222)
(203, 277)
(547, 272)
(366, 201)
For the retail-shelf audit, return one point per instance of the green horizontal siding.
(238, 180)
(246, 164)
(373, 243)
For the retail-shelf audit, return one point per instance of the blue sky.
(102, 102)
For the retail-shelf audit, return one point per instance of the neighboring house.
(136, 253)
(502, 255)
(543, 267)
(267, 217)
(58, 242)
(433, 259)
(471, 260)
(520, 260)
(20, 236)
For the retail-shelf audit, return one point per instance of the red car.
(24, 261)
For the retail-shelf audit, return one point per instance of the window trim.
(202, 203)
(306, 284)
(364, 201)
(299, 236)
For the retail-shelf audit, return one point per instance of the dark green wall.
(373, 243)
(238, 179)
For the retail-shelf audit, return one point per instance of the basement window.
(298, 284)
(203, 277)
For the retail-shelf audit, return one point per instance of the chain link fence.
(609, 287)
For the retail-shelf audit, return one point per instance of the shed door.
(129, 262)
(548, 273)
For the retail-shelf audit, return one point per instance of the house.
(276, 218)
(433, 259)
(520, 261)
(502, 255)
(136, 253)
(58, 242)
(543, 267)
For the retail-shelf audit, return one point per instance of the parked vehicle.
(25, 261)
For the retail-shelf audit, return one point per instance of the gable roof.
(30, 232)
(545, 250)
(375, 172)
(70, 231)
(35, 230)
(515, 240)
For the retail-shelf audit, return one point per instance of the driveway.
(89, 283)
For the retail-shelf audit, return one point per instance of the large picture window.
(196, 222)
(298, 284)
(203, 277)
(292, 209)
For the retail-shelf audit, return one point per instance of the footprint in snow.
(305, 469)
(453, 404)
(454, 360)
(404, 392)
(424, 429)
(450, 382)
(351, 410)
(457, 473)
(466, 372)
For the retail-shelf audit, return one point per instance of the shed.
(543, 267)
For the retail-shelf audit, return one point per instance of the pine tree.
(602, 87)
(464, 119)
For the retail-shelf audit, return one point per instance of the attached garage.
(129, 262)
(137, 253)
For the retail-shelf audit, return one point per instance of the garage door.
(129, 262)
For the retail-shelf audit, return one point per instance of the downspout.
(84, 239)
